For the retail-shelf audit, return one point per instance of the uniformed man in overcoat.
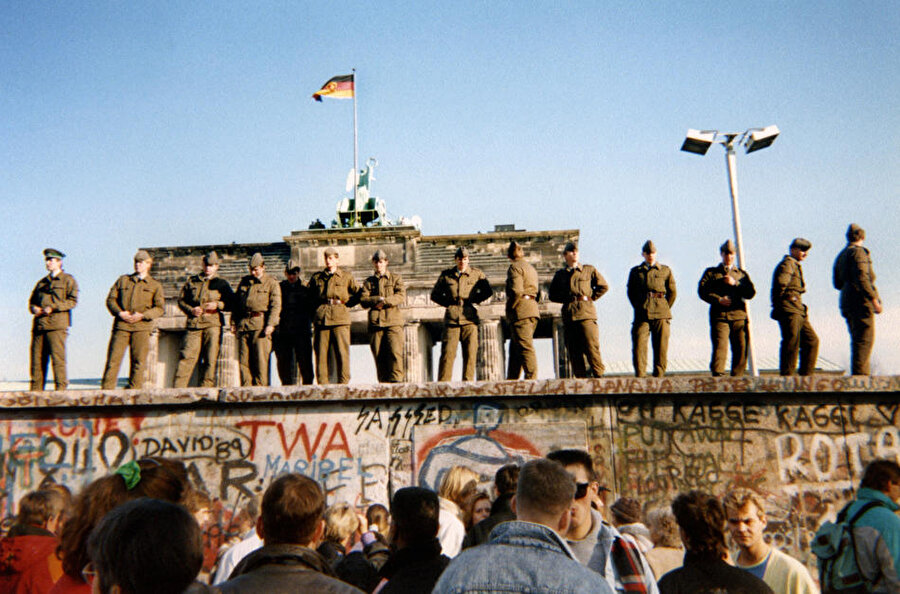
(577, 286)
(334, 291)
(727, 288)
(854, 277)
(293, 336)
(203, 298)
(256, 313)
(135, 300)
(651, 291)
(383, 294)
(798, 339)
(522, 313)
(50, 303)
(460, 289)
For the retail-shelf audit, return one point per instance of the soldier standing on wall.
(257, 311)
(334, 292)
(459, 289)
(382, 294)
(577, 286)
(203, 299)
(798, 339)
(50, 302)
(135, 300)
(651, 291)
(854, 277)
(522, 313)
(726, 288)
(293, 336)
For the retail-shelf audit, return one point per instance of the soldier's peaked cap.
(461, 252)
(257, 260)
(379, 255)
(727, 247)
(570, 247)
(212, 258)
(801, 244)
(53, 253)
(292, 266)
(142, 255)
(331, 251)
(649, 247)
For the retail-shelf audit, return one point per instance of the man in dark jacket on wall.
(291, 525)
(798, 339)
(854, 277)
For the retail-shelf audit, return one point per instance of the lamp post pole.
(731, 162)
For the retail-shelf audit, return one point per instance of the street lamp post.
(754, 139)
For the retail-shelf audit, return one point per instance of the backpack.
(835, 548)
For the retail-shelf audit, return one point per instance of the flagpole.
(355, 156)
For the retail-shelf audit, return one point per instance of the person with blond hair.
(668, 551)
(457, 486)
(746, 515)
(341, 525)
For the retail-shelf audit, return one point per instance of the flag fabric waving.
(337, 87)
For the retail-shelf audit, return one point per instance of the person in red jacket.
(30, 546)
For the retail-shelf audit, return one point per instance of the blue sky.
(155, 124)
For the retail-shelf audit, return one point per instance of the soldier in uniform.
(382, 294)
(522, 313)
(726, 288)
(798, 339)
(577, 286)
(135, 300)
(203, 298)
(459, 289)
(293, 337)
(651, 291)
(854, 277)
(256, 313)
(334, 291)
(52, 299)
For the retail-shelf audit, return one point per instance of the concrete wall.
(800, 443)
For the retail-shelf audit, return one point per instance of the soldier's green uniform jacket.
(199, 290)
(59, 293)
(787, 287)
(459, 292)
(390, 287)
(257, 303)
(651, 291)
(577, 289)
(522, 288)
(333, 295)
(854, 277)
(131, 293)
(712, 286)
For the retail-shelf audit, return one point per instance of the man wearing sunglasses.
(595, 543)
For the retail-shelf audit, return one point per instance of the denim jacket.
(520, 557)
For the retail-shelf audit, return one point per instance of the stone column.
(227, 370)
(560, 353)
(417, 345)
(153, 376)
(491, 354)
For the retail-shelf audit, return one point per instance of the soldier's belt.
(576, 298)
(210, 311)
(334, 302)
(656, 294)
(257, 314)
(527, 296)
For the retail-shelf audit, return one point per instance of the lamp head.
(698, 141)
(760, 139)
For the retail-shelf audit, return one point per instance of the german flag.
(337, 87)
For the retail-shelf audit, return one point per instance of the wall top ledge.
(682, 384)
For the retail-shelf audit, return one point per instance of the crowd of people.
(299, 320)
(545, 528)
